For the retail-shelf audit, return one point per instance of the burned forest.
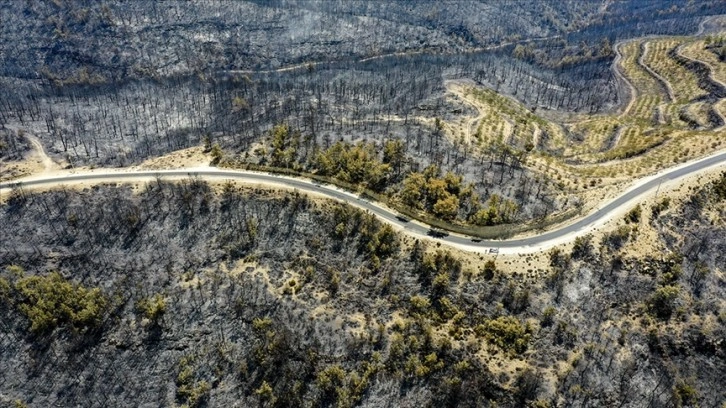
(320, 202)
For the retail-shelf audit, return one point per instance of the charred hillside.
(210, 295)
(109, 41)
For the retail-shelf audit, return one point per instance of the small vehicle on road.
(402, 218)
(476, 240)
(437, 233)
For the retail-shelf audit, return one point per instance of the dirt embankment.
(715, 89)
(662, 82)
(630, 90)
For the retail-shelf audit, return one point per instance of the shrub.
(548, 316)
(420, 304)
(490, 269)
(440, 285)
(685, 394)
(265, 392)
(634, 215)
(447, 309)
(334, 283)
(5, 290)
(671, 274)
(188, 391)
(698, 277)
(582, 248)
(329, 380)
(515, 300)
(419, 368)
(565, 334)
(152, 308)
(216, 154)
(507, 333)
(527, 384)
(261, 325)
(616, 239)
(662, 302)
(662, 205)
(16, 271)
(558, 259)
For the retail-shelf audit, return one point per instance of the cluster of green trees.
(438, 274)
(431, 265)
(448, 198)
(415, 354)
(441, 196)
(497, 211)
(662, 302)
(356, 164)
(285, 145)
(51, 301)
(345, 388)
(360, 164)
(366, 165)
(573, 55)
(190, 391)
(152, 308)
(507, 333)
(378, 241)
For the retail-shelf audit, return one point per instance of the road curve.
(516, 245)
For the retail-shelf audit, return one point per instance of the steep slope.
(206, 295)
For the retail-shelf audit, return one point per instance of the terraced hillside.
(677, 88)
